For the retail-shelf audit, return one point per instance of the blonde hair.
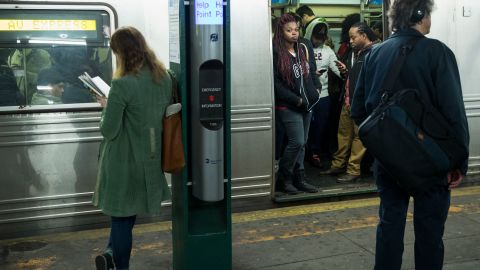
(133, 54)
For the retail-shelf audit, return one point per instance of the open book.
(98, 86)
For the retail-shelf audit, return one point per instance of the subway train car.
(49, 142)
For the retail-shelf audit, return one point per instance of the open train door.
(334, 13)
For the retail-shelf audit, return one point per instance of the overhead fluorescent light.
(55, 41)
(44, 87)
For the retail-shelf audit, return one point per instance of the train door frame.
(367, 185)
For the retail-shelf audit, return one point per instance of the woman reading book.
(130, 180)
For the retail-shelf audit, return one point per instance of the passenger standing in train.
(280, 136)
(27, 64)
(309, 20)
(130, 178)
(325, 61)
(312, 64)
(336, 85)
(295, 96)
(312, 69)
(377, 28)
(71, 62)
(350, 149)
(345, 47)
(10, 94)
(432, 69)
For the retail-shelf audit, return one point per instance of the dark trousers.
(120, 242)
(318, 143)
(429, 217)
(333, 121)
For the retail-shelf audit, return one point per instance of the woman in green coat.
(130, 180)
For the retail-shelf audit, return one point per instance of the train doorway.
(333, 20)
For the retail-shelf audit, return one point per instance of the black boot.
(284, 184)
(300, 182)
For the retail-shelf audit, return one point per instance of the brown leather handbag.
(173, 158)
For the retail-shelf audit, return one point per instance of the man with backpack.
(309, 20)
(430, 67)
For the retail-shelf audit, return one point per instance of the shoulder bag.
(173, 158)
(409, 137)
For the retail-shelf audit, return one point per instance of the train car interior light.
(59, 42)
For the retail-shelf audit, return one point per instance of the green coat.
(130, 179)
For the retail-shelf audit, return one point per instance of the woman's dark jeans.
(120, 242)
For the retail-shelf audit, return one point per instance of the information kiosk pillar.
(201, 206)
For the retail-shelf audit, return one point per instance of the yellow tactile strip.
(276, 213)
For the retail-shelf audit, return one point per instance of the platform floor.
(332, 235)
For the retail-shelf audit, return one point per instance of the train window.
(42, 53)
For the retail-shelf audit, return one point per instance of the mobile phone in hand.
(341, 66)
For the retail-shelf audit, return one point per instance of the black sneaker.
(104, 262)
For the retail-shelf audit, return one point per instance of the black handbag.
(409, 137)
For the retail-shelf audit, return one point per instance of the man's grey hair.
(401, 11)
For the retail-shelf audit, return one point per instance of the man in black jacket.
(432, 69)
(350, 149)
(9, 93)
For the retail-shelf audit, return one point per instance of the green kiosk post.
(201, 202)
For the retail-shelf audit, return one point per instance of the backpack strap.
(397, 65)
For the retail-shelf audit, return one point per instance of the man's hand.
(454, 177)
(341, 67)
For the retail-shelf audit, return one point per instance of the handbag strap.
(175, 98)
(397, 66)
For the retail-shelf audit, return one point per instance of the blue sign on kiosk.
(209, 12)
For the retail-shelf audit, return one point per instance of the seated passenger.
(309, 20)
(318, 139)
(50, 88)
(9, 93)
(377, 28)
(28, 63)
(71, 62)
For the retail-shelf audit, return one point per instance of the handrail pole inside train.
(199, 55)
